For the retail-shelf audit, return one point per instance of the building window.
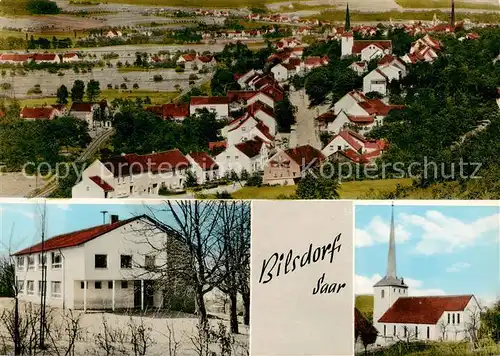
(458, 318)
(98, 285)
(416, 332)
(110, 284)
(385, 330)
(42, 287)
(448, 318)
(82, 285)
(405, 329)
(55, 288)
(20, 263)
(124, 284)
(101, 261)
(56, 260)
(31, 263)
(42, 260)
(453, 318)
(31, 287)
(394, 332)
(126, 261)
(20, 287)
(382, 293)
(150, 262)
(428, 332)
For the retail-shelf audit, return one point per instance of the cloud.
(364, 285)
(487, 300)
(457, 267)
(445, 234)
(377, 231)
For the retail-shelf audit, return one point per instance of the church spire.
(391, 257)
(347, 25)
(452, 17)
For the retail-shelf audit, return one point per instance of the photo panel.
(302, 278)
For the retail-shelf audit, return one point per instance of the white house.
(110, 266)
(87, 111)
(46, 58)
(397, 315)
(375, 81)
(14, 58)
(70, 57)
(216, 104)
(359, 67)
(132, 175)
(366, 49)
(203, 166)
(283, 71)
(249, 156)
(265, 114)
(246, 128)
(113, 34)
(39, 113)
(350, 140)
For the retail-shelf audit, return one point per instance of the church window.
(385, 329)
(394, 330)
(448, 318)
(458, 318)
(453, 318)
(382, 293)
(416, 332)
(428, 332)
(405, 330)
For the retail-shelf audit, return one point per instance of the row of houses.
(22, 58)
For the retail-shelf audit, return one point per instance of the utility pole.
(43, 287)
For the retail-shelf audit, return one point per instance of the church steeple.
(452, 16)
(391, 256)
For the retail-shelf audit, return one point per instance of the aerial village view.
(259, 99)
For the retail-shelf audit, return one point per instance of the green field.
(364, 303)
(438, 4)
(157, 97)
(197, 4)
(348, 190)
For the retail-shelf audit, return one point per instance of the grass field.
(348, 190)
(304, 7)
(356, 16)
(423, 4)
(157, 97)
(197, 4)
(364, 303)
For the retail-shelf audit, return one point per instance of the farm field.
(364, 303)
(348, 190)
(426, 4)
(196, 3)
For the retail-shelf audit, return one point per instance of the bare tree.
(233, 229)
(140, 335)
(443, 330)
(472, 325)
(173, 342)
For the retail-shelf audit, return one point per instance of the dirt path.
(17, 185)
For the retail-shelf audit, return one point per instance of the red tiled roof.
(75, 238)
(259, 106)
(69, 55)
(288, 66)
(236, 95)
(205, 59)
(167, 111)
(378, 107)
(101, 183)
(217, 144)
(16, 57)
(353, 156)
(274, 91)
(359, 45)
(155, 163)
(361, 119)
(388, 58)
(82, 107)
(209, 100)
(316, 61)
(250, 148)
(37, 113)
(264, 130)
(204, 161)
(44, 56)
(306, 156)
(189, 57)
(423, 310)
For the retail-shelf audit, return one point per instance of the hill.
(364, 303)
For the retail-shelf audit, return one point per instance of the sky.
(20, 223)
(440, 250)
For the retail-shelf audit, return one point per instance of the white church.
(397, 316)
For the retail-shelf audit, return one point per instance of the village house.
(13, 58)
(424, 49)
(246, 128)
(286, 167)
(39, 113)
(216, 104)
(204, 167)
(359, 67)
(249, 156)
(283, 71)
(397, 316)
(46, 58)
(95, 114)
(366, 49)
(113, 34)
(315, 62)
(265, 114)
(347, 140)
(110, 266)
(176, 112)
(240, 99)
(187, 60)
(132, 175)
(376, 81)
(70, 57)
(205, 61)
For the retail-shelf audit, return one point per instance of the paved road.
(225, 188)
(306, 131)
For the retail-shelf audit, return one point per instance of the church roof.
(392, 282)
(423, 310)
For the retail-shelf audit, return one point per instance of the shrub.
(5, 86)
(193, 77)
(123, 86)
(136, 86)
(255, 180)
(179, 69)
(157, 78)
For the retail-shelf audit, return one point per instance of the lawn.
(426, 4)
(364, 303)
(197, 4)
(348, 190)
(157, 97)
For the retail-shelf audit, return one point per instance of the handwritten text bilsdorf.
(278, 264)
